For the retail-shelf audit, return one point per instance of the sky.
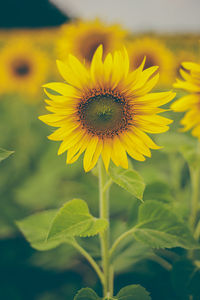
(139, 15)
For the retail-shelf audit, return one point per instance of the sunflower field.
(99, 163)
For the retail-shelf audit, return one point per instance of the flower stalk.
(104, 236)
(195, 181)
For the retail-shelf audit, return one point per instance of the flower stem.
(195, 195)
(104, 236)
(195, 180)
(90, 260)
(120, 239)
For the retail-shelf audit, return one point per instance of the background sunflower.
(189, 103)
(82, 38)
(157, 54)
(23, 67)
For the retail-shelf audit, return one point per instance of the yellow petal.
(69, 75)
(119, 153)
(73, 153)
(107, 68)
(106, 152)
(132, 149)
(145, 138)
(90, 152)
(52, 119)
(185, 102)
(188, 86)
(96, 68)
(96, 155)
(69, 141)
(137, 143)
(61, 88)
(151, 125)
(61, 133)
(147, 87)
(196, 131)
(155, 99)
(146, 74)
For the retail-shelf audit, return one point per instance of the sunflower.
(181, 56)
(105, 110)
(23, 67)
(83, 38)
(189, 103)
(156, 54)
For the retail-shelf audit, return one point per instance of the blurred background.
(33, 34)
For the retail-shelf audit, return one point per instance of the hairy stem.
(120, 239)
(104, 236)
(90, 260)
(195, 180)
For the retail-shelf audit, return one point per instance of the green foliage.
(4, 154)
(186, 145)
(74, 219)
(130, 180)
(133, 292)
(173, 141)
(86, 294)
(130, 292)
(159, 191)
(36, 228)
(191, 155)
(159, 227)
(46, 230)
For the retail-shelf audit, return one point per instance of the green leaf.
(4, 154)
(159, 191)
(186, 145)
(133, 292)
(130, 292)
(191, 155)
(159, 227)
(172, 141)
(129, 180)
(86, 294)
(35, 228)
(74, 219)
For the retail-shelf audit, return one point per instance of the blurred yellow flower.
(23, 67)
(105, 110)
(83, 38)
(189, 103)
(181, 56)
(156, 54)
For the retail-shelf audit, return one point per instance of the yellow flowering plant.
(157, 54)
(190, 104)
(23, 68)
(82, 38)
(105, 111)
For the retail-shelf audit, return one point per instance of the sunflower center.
(104, 114)
(150, 61)
(90, 44)
(21, 68)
